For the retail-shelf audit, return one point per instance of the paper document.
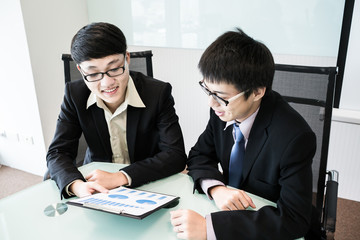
(125, 201)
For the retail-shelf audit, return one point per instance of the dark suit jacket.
(277, 166)
(154, 138)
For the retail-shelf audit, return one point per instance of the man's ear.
(127, 57)
(78, 67)
(259, 93)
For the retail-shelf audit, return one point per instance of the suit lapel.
(258, 134)
(102, 128)
(257, 139)
(133, 117)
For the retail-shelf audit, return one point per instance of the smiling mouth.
(109, 90)
(218, 113)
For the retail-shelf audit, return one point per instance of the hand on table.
(83, 189)
(107, 179)
(188, 224)
(98, 181)
(230, 199)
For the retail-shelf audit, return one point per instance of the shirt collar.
(246, 125)
(132, 97)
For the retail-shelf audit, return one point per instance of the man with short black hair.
(262, 144)
(126, 117)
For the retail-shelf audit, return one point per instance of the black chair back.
(310, 91)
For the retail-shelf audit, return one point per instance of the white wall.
(34, 34)
(307, 27)
(350, 97)
(21, 143)
(50, 26)
(344, 152)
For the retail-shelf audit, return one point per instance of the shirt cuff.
(68, 192)
(210, 233)
(207, 183)
(128, 178)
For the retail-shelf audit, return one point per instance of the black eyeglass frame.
(103, 73)
(220, 100)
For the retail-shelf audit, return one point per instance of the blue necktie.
(236, 158)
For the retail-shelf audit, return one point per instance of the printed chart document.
(127, 202)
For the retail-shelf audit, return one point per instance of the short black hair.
(235, 58)
(97, 40)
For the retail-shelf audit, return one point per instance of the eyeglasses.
(94, 77)
(220, 100)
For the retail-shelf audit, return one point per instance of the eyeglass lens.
(111, 73)
(209, 93)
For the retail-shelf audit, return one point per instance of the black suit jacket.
(154, 138)
(277, 166)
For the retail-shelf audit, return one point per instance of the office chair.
(139, 61)
(310, 91)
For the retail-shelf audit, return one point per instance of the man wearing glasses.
(262, 145)
(126, 117)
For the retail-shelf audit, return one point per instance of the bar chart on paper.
(124, 201)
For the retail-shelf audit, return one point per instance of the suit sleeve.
(63, 149)
(170, 157)
(291, 218)
(204, 158)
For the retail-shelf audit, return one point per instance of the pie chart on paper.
(118, 196)
(145, 201)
